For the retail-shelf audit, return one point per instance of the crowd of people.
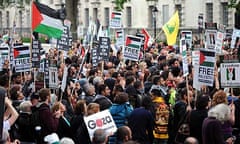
(147, 100)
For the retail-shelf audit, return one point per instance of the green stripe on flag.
(50, 31)
(134, 46)
(23, 56)
(207, 64)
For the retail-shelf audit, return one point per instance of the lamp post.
(154, 14)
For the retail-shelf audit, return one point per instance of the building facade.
(136, 14)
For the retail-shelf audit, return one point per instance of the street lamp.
(154, 14)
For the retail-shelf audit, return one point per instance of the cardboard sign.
(230, 74)
(100, 120)
(116, 21)
(22, 61)
(132, 48)
(206, 67)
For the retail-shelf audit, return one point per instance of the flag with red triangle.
(21, 52)
(147, 38)
(207, 58)
(46, 20)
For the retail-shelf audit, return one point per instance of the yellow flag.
(171, 29)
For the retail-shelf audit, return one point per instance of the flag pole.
(158, 35)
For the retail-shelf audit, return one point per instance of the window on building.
(106, 15)
(20, 21)
(178, 7)
(165, 13)
(129, 16)
(7, 19)
(224, 13)
(86, 17)
(95, 14)
(209, 12)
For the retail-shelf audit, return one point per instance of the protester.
(212, 125)
(120, 111)
(102, 97)
(123, 134)
(49, 120)
(99, 137)
(78, 127)
(197, 116)
(141, 122)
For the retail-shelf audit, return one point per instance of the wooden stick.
(188, 97)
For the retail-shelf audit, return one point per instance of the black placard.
(63, 43)
(36, 45)
(46, 72)
(95, 53)
(104, 47)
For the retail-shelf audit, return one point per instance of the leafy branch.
(235, 4)
(119, 4)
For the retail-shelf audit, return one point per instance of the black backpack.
(35, 120)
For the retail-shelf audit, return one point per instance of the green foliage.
(235, 4)
(28, 39)
(119, 4)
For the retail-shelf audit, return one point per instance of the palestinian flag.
(146, 37)
(231, 74)
(133, 42)
(119, 34)
(21, 52)
(207, 58)
(46, 20)
(116, 15)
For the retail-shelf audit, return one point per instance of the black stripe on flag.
(44, 9)
(208, 53)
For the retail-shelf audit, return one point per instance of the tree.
(72, 14)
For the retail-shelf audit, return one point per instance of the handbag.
(183, 129)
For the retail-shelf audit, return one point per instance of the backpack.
(162, 113)
(35, 118)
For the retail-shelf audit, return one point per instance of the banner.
(230, 74)
(132, 48)
(22, 61)
(206, 67)
(116, 21)
(100, 120)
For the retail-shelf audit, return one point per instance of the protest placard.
(100, 120)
